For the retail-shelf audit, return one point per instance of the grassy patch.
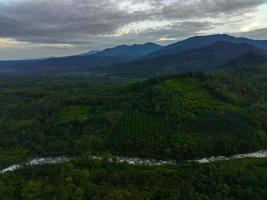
(74, 112)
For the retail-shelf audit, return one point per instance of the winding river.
(131, 161)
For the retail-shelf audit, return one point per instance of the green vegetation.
(74, 112)
(197, 115)
(171, 117)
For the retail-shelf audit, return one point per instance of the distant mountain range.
(71, 64)
(201, 41)
(130, 52)
(202, 59)
(90, 53)
(200, 53)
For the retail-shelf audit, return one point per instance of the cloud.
(259, 34)
(164, 39)
(82, 23)
(9, 42)
(49, 18)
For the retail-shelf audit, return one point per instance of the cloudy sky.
(41, 28)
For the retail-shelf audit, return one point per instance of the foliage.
(171, 117)
(78, 112)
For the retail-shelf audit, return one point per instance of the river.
(131, 161)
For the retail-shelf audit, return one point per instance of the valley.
(187, 125)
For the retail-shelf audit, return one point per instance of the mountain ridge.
(129, 51)
(199, 59)
(125, 59)
(200, 41)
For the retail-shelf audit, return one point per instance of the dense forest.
(177, 117)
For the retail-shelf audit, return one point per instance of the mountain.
(130, 52)
(245, 61)
(201, 41)
(131, 60)
(71, 64)
(196, 60)
(250, 67)
(6, 65)
(80, 63)
(90, 53)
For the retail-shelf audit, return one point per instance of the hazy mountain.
(200, 59)
(90, 53)
(83, 62)
(131, 52)
(201, 41)
(125, 60)
(246, 60)
(59, 65)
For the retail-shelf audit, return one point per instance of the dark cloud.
(91, 22)
(47, 18)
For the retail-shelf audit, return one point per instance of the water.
(132, 161)
(259, 154)
(36, 161)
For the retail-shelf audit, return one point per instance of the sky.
(46, 28)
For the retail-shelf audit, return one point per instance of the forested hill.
(249, 67)
(178, 117)
(254, 63)
(192, 115)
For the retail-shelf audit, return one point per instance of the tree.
(32, 191)
(118, 195)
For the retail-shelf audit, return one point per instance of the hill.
(201, 41)
(250, 61)
(180, 117)
(190, 116)
(249, 67)
(130, 52)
